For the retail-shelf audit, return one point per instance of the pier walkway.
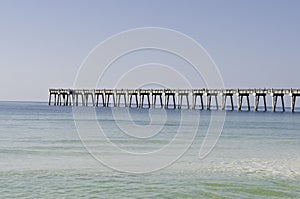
(173, 98)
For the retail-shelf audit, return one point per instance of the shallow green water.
(41, 156)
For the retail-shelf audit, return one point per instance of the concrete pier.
(166, 98)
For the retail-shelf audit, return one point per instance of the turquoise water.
(42, 156)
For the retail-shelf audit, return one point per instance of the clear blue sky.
(43, 43)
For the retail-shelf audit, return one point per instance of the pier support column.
(130, 99)
(97, 94)
(142, 99)
(274, 102)
(62, 98)
(180, 99)
(154, 95)
(256, 101)
(294, 94)
(77, 98)
(293, 102)
(67, 99)
(77, 93)
(49, 103)
(55, 100)
(71, 97)
(143, 93)
(208, 101)
(224, 101)
(275, 96)
(107, 96)
(169, 93)
(54, 93)
(59, 99)
(118, 95)
(88, 93)
(194, 100)
(240, 101)
(167, 98)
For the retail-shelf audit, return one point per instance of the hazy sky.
(43, 43)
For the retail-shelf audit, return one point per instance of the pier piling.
(275, 94)
(108, 93)
(97, 93)
(169, 93)
(132, 93)
(195, 94)
(257, 95)
(157, 93)
(87, 94)
(181, 94)
(209, 95)
(294, 94)
(225, 94)
(241, 94)
(119, 94)
(144, 93)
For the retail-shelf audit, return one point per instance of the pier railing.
(173, 98)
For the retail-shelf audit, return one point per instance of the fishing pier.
(174, 98)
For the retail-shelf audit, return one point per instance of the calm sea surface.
(42, 155)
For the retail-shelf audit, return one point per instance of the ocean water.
(44, 155)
